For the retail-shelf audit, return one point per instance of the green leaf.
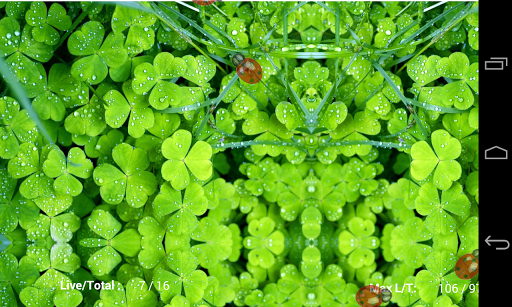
(217, 242)
(180, 159)
(405, 242)
(200, 70)
(447, 149)
(99, 54)
(67, 298)
(103, 224)
(151, 242)
(422, 70)
(453, 200)
(133, 179)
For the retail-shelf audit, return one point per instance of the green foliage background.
(131, 151)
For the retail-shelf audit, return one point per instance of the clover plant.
(133, 154)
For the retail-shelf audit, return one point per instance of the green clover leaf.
(311, 73)
(152, 251)
(422, 70)
(140, 34)
(184, 274)
(447, 149)
(107, 227)
(132, 180)
(199, 70)
(217, 242)
(15, 276)
(439, 211)
(13, 207)
(180, 159)
(269, 129)
(468, 236)
(405, 244)
(458, 93)
(28, 163)
(66, 169)
(358, 242)
(67, 298)
(15, 127)
(472, 185)
(118, 108)
(438, 265)
(184, 211)
(49, 101)
(89, 119)
(353, 129)
(264, 243)
(22, 47)
(152, 79)
(45, 23)
(97, 55)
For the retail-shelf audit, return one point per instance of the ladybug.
(249, 71)
(203, 2)
(369, 296)
(467, 266)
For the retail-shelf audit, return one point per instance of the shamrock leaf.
(96, 55)
(405, 240)
(438, 265)
(217, 242)
(28, 163)
(422, 70)
(140, 34)
(447, 149)
(152, 79)
(15, 127)
(181, 159)
(152, 251)
(15, 276)
(200, 70)
(184, 211)
(360, 177)
(184, 274)
(107, 227)
(439, 219)
(236, 30)
(264, 243)
(37, 297)
(353, 129)
(269, 129)
(458, 93)
(67, 298)
(21, 47)
(311, 73)
(45, 23)
(89, 119)
(164, 125)
(472, 185)
(118, 108)
(49, 101)
(13, 208)
(66, 169)
(358, 242)
(132, 180)
(359, 67)
(468, 235)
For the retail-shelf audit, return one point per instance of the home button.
(496, 153)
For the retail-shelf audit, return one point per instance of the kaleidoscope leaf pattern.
(134, 156)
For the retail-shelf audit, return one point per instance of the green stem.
(158, 13)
